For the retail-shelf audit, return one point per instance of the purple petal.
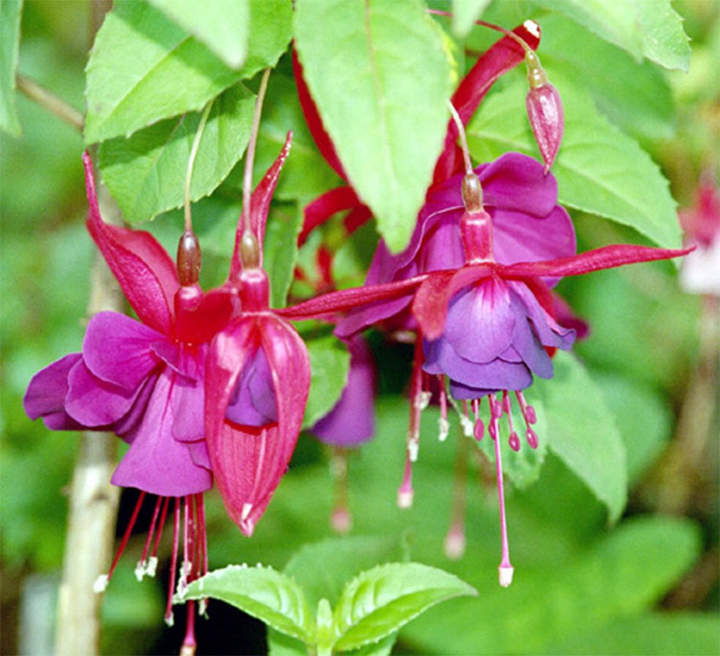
(94, 402)
(527, 346)
(548, 330)
(118, 350)
(352, 420)
(156, 462)
(45, 395)
(253, 402)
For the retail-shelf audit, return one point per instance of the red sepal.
(324, 206)
(144, 270)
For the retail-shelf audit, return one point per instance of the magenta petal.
(46, 392)
(352, 419)
(156, 462)
(94, 402)
(188, 409)
(118, 350)
(144, 270)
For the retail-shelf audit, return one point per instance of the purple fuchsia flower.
(144, 381)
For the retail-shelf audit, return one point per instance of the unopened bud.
(547, 120)
(472, 194)
(249, 250)
(189, 259)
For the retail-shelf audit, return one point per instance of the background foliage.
(614, 532)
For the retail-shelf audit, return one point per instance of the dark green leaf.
(381, 600)
(583, 433)
(599, 169)
(380, 76)
(261, 592)
(329, 363)
(222, 25)
(146, 173)
(144, 68)
(280, 251)
(644, 29)
(10, 11)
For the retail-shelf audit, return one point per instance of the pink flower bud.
(545, 111)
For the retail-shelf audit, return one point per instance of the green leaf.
(222, 25)
(146, 173)
(329, 363)
(261, 592)
(144, 68)
(583, 433)
(679, 634)
(522, 467)
(380, 76)
(465, 13)
(599, 169)
(280, 251)
(645, 29)
(381, 600)
(10, 11)
(636, 97)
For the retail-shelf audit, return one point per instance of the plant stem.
(51, 102)
(191, 163)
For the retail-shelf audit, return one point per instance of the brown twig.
(51, 102)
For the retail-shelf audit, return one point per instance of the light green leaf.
(10, 11)
(634, 96)
(380, 76)
(583, 433)
(144, 68)
(222, 25)
(645, 28)
(599, 169)
(522, 467)
(146, 173)
(381, 600)
(280, 251)
(465, 13)
(261, 592)
(676, 633)
(329, 363)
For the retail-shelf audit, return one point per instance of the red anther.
(530, 415)
(514, 441)
(189, 258)
(479, 429)
(492, 429)
(532, 438)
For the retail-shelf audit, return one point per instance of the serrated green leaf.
(146, 173)
(222, 25)
(522, 467)
(636, 97)
(676, 633)
(381, 600)
(645, 29)
(261, 592)
(144, 68)
(465, 13)
(10, 11)
(599, 169)
(280, 251)
(379, 74)
(329, 363)
(583, 433)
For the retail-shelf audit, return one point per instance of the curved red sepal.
(249, 462)
(312, 118)
(324, 206)
(607, 257)
(347, 299)
(144, 270)
(430, 305)
(504, 55)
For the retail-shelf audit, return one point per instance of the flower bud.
(189, 259)
(545, 110)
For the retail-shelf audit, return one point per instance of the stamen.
(528, 413)
(405, 491)
(465, 423)
(479, 429)
(443, 423)
(102, 581)
(513, 440)
(340, 518)
(169, 619)
(455, 539)
(505, 570)
(202, 544)
(142, 566)
(189, 644)
(153, 560)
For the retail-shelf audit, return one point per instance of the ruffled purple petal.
(45, 395)
(352, 421)
(253, 402)
(156, 462)
(547, 329)
(118, 350)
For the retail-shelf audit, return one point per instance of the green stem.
(51, 102)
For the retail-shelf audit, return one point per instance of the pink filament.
(173, 561)
(505, 560)
(126, 535)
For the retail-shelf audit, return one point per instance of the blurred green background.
(648, 585)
